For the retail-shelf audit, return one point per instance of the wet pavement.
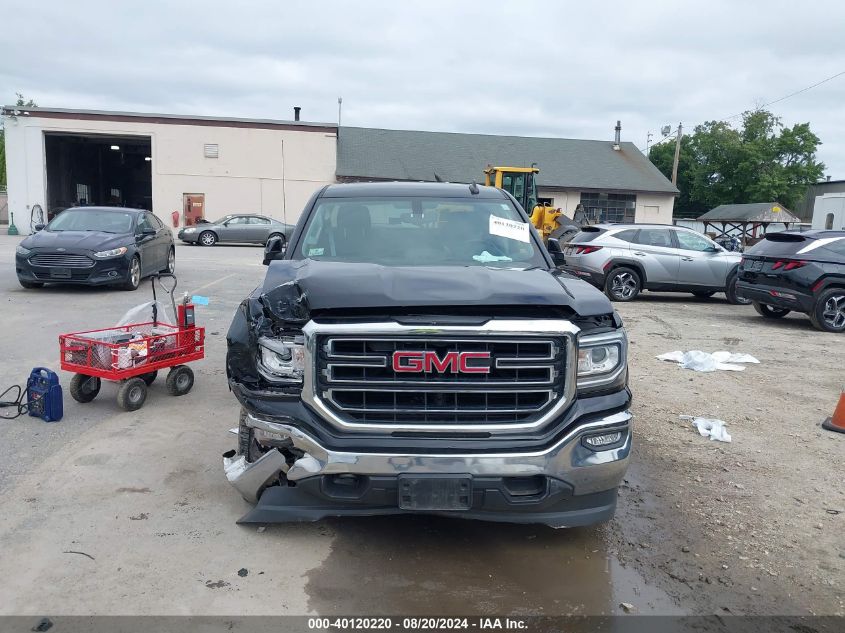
(439, 566)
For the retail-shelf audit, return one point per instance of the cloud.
(535, 68)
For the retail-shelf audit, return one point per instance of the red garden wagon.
(133, 354)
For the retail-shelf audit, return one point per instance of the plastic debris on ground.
(705, 361)
(199, 300)
(710, 427)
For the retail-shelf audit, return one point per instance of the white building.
(211, 166)
(60, 158)
(829, 212)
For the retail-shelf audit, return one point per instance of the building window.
(828, 223)
(609, 207)
(211, 150)
(82, 194)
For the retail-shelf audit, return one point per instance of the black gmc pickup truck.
(414, 349)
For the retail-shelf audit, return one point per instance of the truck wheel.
(132, 394)
(622, 284)
(769, 312)
(828, 314)
(149, 378)
(84, 388)
(180, 380)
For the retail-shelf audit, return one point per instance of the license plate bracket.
(435, 492)
(60, 273)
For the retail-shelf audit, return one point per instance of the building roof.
(175, 119)
(564, 163)
(751, 212)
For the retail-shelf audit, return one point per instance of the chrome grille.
(356, 378)
(62, 260)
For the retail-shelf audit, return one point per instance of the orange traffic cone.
(837, 421)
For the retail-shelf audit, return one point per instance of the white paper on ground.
(509, 228)
(704, 361)
(710, 427)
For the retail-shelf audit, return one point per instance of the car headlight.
(601, 358)
(190, 230)
(20, 250)
(114, 252)
(282, 359)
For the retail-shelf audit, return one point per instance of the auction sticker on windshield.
(509, 229)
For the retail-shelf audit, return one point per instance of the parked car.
(414, 350)
(243, 227)
(96, 246)
(624, 259)
(800, 272)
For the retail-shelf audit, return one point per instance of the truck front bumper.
(567, 484)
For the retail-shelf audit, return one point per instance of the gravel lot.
(754, 526)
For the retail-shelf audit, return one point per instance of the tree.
(761, 161)
(20, 103)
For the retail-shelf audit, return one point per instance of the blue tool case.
(44, 395)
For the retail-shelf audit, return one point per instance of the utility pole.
(677, 154)
(339, 106)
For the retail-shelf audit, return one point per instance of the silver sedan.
(241, 227)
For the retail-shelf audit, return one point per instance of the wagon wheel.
(84, 388)
(132, 393)
(180, 380)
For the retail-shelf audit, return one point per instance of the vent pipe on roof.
(618, 136)
(296, 110)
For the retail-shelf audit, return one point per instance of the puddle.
(414, 565)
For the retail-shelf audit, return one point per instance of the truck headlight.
(23, 252)
(282, 359)
(114, 252)
(601, 358)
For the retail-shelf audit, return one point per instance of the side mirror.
(556, 251)
(148, 231)
(39, 227)
(275, 249)
(714, 249)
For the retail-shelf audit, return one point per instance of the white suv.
(624, 259)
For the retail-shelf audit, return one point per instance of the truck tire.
(84, 388)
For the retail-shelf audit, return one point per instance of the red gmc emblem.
(452, 362)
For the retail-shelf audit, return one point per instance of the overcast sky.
(567, 69)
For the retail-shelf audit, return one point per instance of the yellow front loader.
(521, 183)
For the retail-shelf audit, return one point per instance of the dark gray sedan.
(241, 227)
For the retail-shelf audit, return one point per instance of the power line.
(778, 100)
(791, 94)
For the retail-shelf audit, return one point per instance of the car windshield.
(420, 232)
(91, 220)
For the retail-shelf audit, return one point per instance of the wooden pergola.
(751, 220)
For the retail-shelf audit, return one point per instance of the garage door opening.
(95, 169)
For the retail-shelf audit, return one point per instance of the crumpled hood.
(83, 240)
(294, 288)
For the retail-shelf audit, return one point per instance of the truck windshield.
(420, 232)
